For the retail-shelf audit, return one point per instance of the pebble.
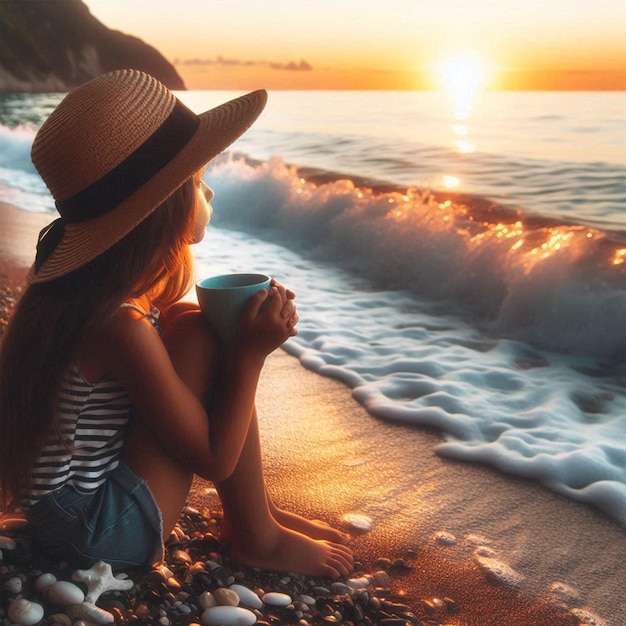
(274, 598)
(198, 564)
(358, 522)
(226, 597)
(24, 612)
(207, 600)
(247, 597)
(228, 616)
(44, 581)
(359, 583)
(14, 585)
(64, 593)
(381, 579)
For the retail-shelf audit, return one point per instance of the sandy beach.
(507, 551)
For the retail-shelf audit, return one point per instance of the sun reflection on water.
(462, 76)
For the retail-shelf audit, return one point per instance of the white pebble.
(247, 597)
(228, 616)
(274, 598)
(358, 583)
(45, 580)
(14, 585)
(24, 612)
(64, 593)
(358, 521)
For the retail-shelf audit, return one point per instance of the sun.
(463, 75)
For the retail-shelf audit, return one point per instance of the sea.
(459, 266)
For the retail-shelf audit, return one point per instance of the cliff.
(55, 46)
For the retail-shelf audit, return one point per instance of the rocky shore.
(197, 579)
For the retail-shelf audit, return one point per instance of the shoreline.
(496, 545)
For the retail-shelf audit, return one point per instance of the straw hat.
(115, 149)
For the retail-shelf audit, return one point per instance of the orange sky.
(396, 44)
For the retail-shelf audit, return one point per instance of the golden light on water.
(620, 257)
(450, 182)
(463, 75)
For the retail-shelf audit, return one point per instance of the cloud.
(292, 66)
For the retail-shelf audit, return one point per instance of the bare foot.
(316, 529)
(286, 550)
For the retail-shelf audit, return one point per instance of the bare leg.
(258, 538)
(316, 529)
(168, 479)
(169, 482)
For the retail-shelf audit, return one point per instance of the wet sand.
(507, 551)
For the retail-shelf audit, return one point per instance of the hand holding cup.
(227, 301)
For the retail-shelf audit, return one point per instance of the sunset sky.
(395, 44)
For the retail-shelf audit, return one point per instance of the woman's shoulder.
(129, 328)
(125, 339)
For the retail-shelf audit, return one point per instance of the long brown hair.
(51, 320)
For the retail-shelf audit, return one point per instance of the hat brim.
(84, 241)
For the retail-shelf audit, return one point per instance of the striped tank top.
(93, 420)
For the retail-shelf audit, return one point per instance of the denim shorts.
(120, 523)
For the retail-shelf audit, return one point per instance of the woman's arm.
(168, 389)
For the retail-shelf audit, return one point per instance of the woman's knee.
(187, 326)
(191, 344)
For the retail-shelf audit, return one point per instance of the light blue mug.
(223, 298)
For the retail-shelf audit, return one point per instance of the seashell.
(226, 597)
(99, 579)
(90, 613)
(24, 612)
(275, 598)
(228, 616)
(64, 593)
(247, 597)
(45, 580)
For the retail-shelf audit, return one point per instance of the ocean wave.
(554, 285)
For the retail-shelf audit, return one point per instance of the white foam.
(587, 618)
(500, 572)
